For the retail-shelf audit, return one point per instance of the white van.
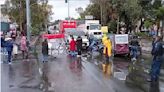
(93, 28)
(75, 33)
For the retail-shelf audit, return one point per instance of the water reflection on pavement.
(62, 74)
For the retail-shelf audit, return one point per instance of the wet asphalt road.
(62, 74)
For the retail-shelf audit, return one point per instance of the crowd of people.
(75, 49)
(11, 48)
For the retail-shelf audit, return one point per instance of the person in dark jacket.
(157, 52)
(9, 47)
(79, 45)
(45, 50)
(134, 48)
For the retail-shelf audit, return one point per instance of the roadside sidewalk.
(23, 74)
(140, 72)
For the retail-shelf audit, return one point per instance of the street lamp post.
(67, 1)
(68, 10)
(162, 30)
(28, 19)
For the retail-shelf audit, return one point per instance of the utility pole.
(67, 1)
(101, 10)
(68, 11)
(162, 29)
(20, 15)
(28, 19)
(118, 23)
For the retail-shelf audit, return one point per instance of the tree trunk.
(118, 25)
(162, 29)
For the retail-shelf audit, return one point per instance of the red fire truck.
(67, 24)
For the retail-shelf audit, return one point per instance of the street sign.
(88, 17)
(79, 10)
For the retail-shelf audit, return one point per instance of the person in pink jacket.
(23, 46)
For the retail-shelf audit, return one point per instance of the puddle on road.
(120, 75)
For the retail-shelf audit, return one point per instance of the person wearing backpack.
(157, 52)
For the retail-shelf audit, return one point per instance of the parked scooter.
(97, 46)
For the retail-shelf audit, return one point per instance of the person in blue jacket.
(9, 47)
(157, 52)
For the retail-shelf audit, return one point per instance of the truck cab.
(93, 27)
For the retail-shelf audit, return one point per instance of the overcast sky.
(60, 8)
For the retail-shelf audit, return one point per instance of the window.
(94, 27)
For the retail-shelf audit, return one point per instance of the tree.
(132, 13)
(16, 9)
(160, 13)
(128, 11)
(92, 9)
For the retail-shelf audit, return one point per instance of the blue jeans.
(134, 51)
(155, 69)
(72, 53)
(45, 58)
(9, 56)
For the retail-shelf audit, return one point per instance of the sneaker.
(149, 80)
(96, 63)
(134, 59)
(10, 63)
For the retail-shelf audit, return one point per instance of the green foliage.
(160, 13)
(129, 11)
(16, 10)
(142, 34)
(92, 9)
(35, 31)
(112, 25)
(148, 23)
(132, 10)
(152, 10)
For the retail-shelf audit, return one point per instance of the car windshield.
(75, 36)
(94, 27)
(75, 32)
